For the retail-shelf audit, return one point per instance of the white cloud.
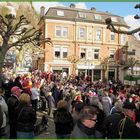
(37, 5)
(81, 5)
(133, 23)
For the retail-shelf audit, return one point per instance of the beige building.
(83, 35)
(132, 51)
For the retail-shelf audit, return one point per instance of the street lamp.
(88, 68)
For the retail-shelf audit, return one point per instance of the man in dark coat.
(120, 124)
(12, 103)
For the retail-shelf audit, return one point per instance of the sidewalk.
(49, 131)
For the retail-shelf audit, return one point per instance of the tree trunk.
(3, 51)
(1, 61)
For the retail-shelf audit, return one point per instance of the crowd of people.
(80, 108)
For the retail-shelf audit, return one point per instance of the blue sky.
(119, 8)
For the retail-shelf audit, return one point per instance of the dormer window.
(60, 13)
(114, 19)
(97, 17)
(82, 15)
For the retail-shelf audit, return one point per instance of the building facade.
(81, 35)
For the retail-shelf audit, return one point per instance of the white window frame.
(123, 39)
(84, 51)
(63, 32)
(94, 53)
(58, 49)
(98, 35)
(97, 17)
(60, 13)
(62, 49)
(82, 15)
(112, 34)
(81, 33)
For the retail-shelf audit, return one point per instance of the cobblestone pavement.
(50, 132)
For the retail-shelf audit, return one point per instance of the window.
(83, 53)
(111, 53)
(60, 52)
(96, 54)
(82, 15)
(65, 32)
(65, 52)
(90, 33)
(97, 17)
(60, 13)
(112, 36)
(81, 32)
(98, 35)
(114, 19)
(123, 39)
(57, 52)
(61, 31)
(58, 30)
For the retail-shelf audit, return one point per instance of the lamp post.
(88, 68)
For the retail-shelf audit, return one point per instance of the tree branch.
(25, 39)
(112, 28)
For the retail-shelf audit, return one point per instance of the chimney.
(93, 9)
(42, 11)
(72, 5)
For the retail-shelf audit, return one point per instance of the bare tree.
(16, 33)
(131, 62)
(112, 28)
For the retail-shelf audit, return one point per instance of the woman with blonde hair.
(25, 117)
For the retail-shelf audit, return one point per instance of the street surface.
(50, 132)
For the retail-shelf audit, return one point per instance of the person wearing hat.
(26, 85)
(12, 103)
(120, 124)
